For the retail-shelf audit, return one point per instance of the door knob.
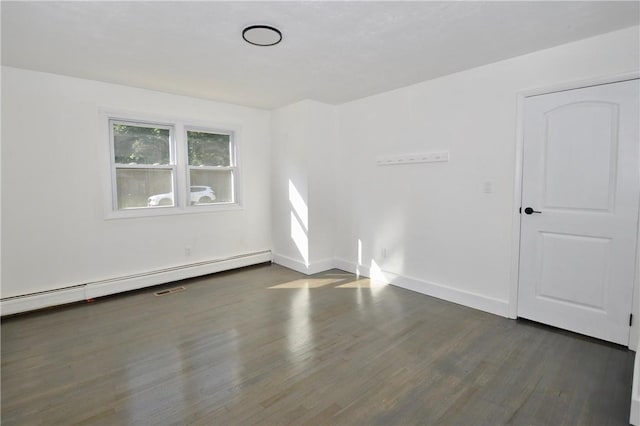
(529, 210)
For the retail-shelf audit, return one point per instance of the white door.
(581, 179)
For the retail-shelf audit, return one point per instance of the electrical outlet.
(487, 186)
(187, 251)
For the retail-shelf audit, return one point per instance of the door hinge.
(630, 319)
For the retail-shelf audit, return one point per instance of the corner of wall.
(307, 269)
(303, 187)
(634, 417)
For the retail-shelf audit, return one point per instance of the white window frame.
(179, 164)
(232, 159)
(117, 166)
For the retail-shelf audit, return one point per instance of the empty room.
(320, 212)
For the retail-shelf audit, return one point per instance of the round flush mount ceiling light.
(262, 35)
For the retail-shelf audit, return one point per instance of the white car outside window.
(198, 195)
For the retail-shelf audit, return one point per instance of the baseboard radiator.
(91, 290)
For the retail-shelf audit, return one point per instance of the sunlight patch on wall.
(299, 237)
(376, 274)
(299, 206)
(299, 222)
(359, 263)
(378, 278)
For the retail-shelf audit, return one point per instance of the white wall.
(54, 233)
(442, 234)
(290, 162)
(322, 181)
(304, 185)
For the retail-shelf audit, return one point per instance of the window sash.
(118, 198)
(233, 189)
(232, 144)
(232, 167)
(127, 166)
(147, 125)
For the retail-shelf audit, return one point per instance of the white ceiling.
(332, 51)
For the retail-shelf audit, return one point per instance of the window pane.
(141, 145)
(211, 186)
(141, 188)
(208, 149)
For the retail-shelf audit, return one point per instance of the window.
(144, 164)
(159, 168)
(211, 164)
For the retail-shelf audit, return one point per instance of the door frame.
(634, 335)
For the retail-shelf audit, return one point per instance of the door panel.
(575, 177)
(581, 172)
(588, 265)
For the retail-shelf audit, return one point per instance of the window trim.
(179, 164)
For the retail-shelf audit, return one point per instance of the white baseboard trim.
(296, 265)
(634, 416)
(440, 291)
(31, 302)
(92, 290)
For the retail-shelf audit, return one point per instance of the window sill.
(170, 211)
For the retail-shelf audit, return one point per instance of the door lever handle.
(529, 210)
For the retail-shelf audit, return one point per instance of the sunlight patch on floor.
(307, 283)
(362, 283)
(330, 281)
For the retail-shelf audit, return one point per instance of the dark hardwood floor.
(266, 345)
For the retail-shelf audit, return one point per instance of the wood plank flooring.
(266, 345)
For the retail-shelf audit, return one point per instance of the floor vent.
(169, 291)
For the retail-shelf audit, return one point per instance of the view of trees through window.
(208, 149)
(141, 145)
